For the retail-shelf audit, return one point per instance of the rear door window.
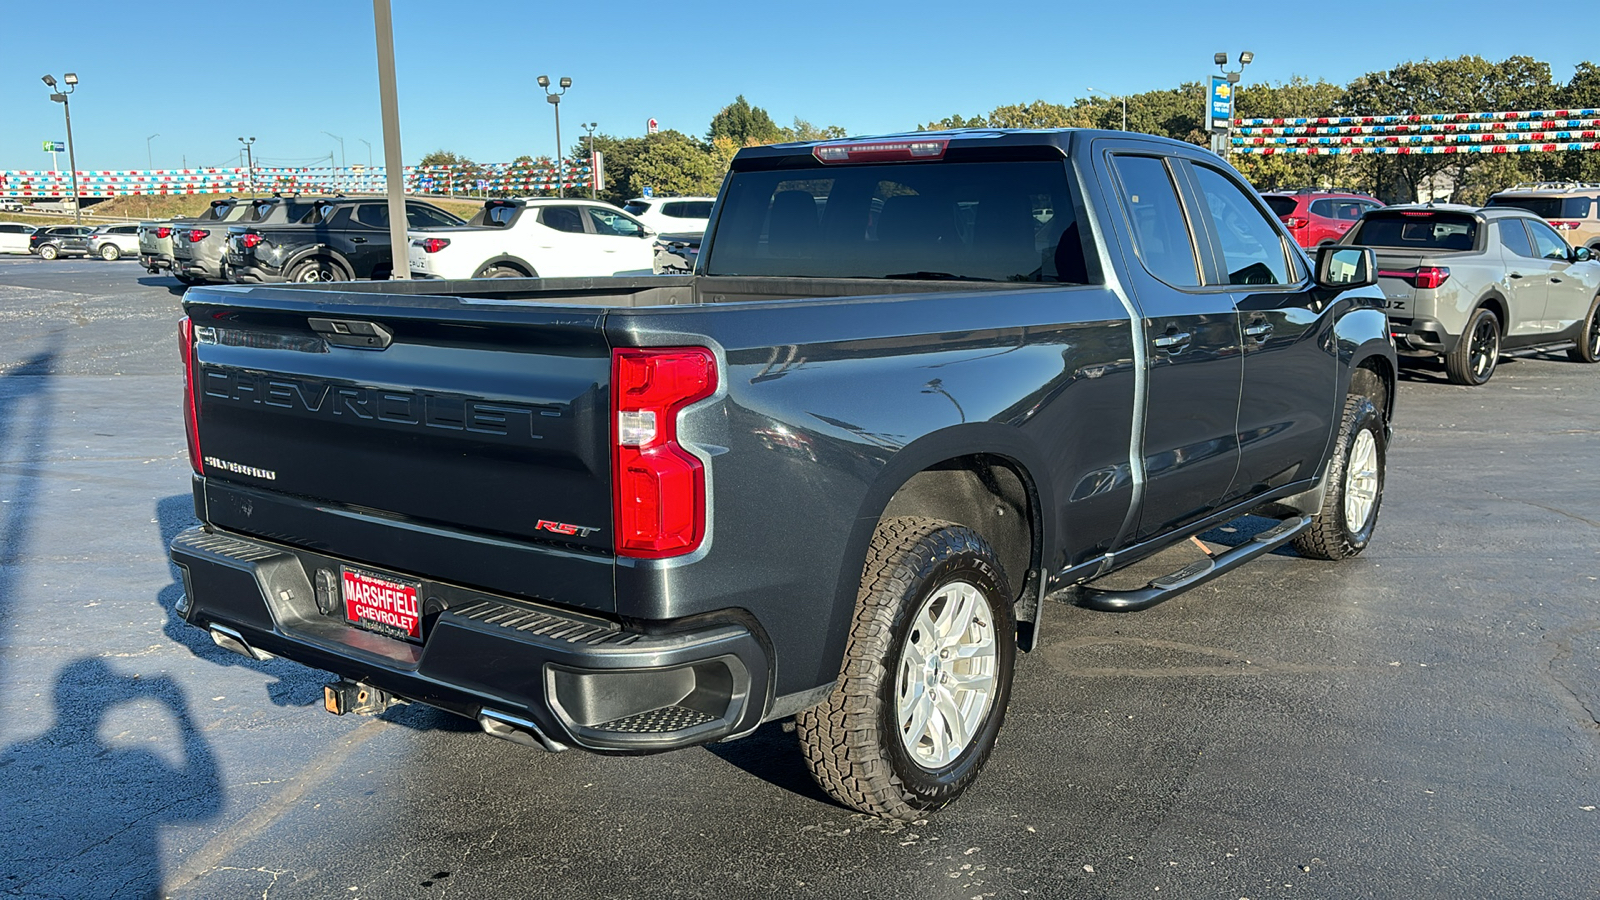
(1418, 231)
(1160, 230)
(373, 215)
(1252, 250)
(562, 218)
(419, 216)
(1514, 238)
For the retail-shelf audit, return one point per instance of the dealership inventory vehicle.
(199, 247)
(1466, 284)
(672, 215)
(1570, 207)
(14, 236)
(917, 383)
(1317, 217)
(60, 240)
(337, 239)
(548, 238)
(112, 242)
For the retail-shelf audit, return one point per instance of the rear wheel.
(49, 251)
(1473, 360)
(1587, 347)
(1354, 487)
(110, 252)
(502, 271)
(316, 270)
(926, 676)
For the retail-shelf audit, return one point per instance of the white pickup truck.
(542, 238)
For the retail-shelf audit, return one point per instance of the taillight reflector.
(1296, 222)
(191, 414)
(660, 488)
(880, 151)
(198, 235)
(163, 232)
(432, 245)
(251, 241)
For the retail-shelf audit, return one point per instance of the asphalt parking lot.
(1418, 722)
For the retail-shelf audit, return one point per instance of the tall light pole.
(593, 188)
(366, 177)
(60, 97)
(1225, 139)
(555, 100)
(341, 159)
(1123, 98)
(150, 161)
(250, 163)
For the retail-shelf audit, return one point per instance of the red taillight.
(191, 414)
(433, 245)
(163, 232)
(1422, 276)
(1564, 225)
(1296, 222)
(251, 241)
(198, 235)
(880, 151)
(660, 487)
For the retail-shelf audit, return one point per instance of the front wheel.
(1587, 347)
(110, 252)
(926, 677)
(48, 252)
(1473, 360)
(1342, 527)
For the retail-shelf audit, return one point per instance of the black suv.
(62, 240)
(337, 239)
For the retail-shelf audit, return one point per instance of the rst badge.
(563, 528)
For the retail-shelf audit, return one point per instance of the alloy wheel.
(947, 675)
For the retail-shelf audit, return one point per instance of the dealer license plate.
(382, 603)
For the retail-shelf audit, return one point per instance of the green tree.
(805, 131)
(673, 163)
(744, 124)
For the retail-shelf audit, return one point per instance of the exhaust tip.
(228, 639)
(517, 730)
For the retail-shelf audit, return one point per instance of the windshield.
(1417, 231)
(982, 221)
(1548, 207)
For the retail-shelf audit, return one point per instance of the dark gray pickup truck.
(916, 384)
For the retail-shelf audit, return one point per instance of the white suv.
(672, 215)
(541, 238)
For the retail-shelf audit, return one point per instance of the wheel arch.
(322, 250)
(967, 474)
(516, 262)
(1496, 304)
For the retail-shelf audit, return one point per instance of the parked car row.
(107, 242)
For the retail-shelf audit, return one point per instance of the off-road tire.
(1330, 535)
(851, 741)
(1461, 364)
(110, 253)
(1587, 348)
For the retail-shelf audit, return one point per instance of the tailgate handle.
(353, 333)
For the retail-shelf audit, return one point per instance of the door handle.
(359, 240)
(1554, 280)
(1173, 341)
(1516, 274)
(1260, 331)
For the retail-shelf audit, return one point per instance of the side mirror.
(1582, 254)
(1340, 267)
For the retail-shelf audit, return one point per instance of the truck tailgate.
(421, 433)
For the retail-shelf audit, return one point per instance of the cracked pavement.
(1418, 721)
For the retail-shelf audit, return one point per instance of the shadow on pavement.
(173, 286)
(773, 755)
(25, 411)
(82, 811)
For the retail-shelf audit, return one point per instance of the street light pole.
(1123, 98)
(71, 81)
(366, 177)
(593, 188)
(341, 160)
(555, 100)
(250, 163)
(150, 161)
(1225, 140)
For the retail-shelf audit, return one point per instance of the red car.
(1319, 217)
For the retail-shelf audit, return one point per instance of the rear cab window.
(1003, 220)
(1281, 206)
(1417, 230)
(636, 207)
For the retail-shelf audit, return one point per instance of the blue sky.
(285, 71)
